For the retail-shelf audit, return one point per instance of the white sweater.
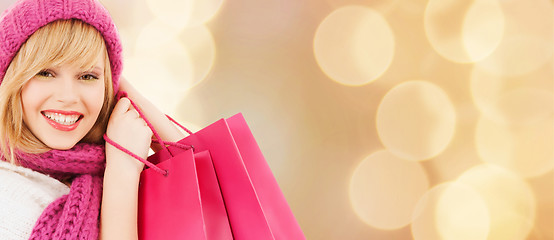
(24, 194)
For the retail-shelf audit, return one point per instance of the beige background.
(385, 119)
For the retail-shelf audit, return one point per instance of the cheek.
(31, 97)
(95, 99)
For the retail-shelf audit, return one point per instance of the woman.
(60, 67)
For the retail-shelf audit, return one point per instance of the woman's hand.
(118, 217)
(127, 129)
(163, 126)
(121, 177)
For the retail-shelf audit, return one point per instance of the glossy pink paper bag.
(256, 207)
(184, 204)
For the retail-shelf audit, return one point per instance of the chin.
(61, 146)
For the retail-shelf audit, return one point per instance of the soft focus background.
(381, 119)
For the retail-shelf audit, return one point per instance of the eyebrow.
(96, 68)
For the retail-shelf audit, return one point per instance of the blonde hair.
(61, 42)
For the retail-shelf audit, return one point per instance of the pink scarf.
(75, 215)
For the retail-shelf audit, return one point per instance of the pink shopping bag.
(256, 207)
(186, 203)
(254, 204)
(170, 205)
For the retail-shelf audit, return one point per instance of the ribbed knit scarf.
(75, 215)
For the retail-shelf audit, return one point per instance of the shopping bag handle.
(157, 139)
(181, 126)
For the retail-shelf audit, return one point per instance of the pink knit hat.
(22, 19)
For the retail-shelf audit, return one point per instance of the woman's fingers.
(133, 112)
(121, 107)
(124, 106)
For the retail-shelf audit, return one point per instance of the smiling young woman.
(62, 103)
(60, 67)
(73, 48)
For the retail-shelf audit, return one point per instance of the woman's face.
(61, 104)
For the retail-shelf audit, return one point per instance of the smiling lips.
(63, 120)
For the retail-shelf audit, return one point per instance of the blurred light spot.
(460, 156)
(464, 31)
(168, 51)
(462, 214)
(154, 35)
(184, 13)
(526, 150)
(354, 45)
(200, 45)
(187, 54)
(384, 190)
(483, 28)
(528, 37)
(160, 67)
(416, 120)
(521, 100)
(526, 105)
(153, 79)
(509, 199)
(128, 14)
(126, 40)
(518, 55)
(451, 211)
(382, 6)
(413, 6)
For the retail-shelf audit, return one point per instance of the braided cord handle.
(158, 139)
(181, 126)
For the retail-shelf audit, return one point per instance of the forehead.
(97, 63)
(71, 43)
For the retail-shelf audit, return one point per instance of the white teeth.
(61, 118)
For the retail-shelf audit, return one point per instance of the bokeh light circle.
(354, 45)
(525, 149)
(451, 211)
(149, 38)
(184, 13)
(200, 45)
(189, 54)
(527, 41)
(507, 59)
(382, 6)
(167, 51)
(158, 83)
(519, 100)
(160, 68)
(384, 190)
(416, 120)
(464, 36)
(510, 201)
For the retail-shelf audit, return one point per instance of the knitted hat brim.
(25, 17)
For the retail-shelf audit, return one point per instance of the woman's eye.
(45, 74)
(89, 77)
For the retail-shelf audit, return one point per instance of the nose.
(66, 90)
